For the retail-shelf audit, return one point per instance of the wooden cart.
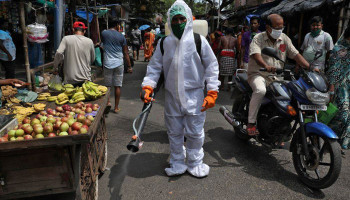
(56, 165)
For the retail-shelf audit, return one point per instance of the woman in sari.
(149, 39)
(339, 79)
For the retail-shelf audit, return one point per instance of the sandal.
(252, 131)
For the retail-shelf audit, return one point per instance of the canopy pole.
(87, 17)
(25, 44)
(300, 29)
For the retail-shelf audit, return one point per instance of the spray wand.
(135, 144)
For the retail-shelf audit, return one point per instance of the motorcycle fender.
(320, 129)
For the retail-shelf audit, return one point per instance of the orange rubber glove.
(209, 100)
(146, 93)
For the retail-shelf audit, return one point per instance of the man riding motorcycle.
(258, 80)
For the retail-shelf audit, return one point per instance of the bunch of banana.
(52, 98)
(91, 90)
(69, 91)
(13, 100)
(103, 89)
(43, 96)
(62, 99)
(77, 97)
(68, 86)
(39, 107)
(79, 89)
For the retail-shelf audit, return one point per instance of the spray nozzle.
(135, 144)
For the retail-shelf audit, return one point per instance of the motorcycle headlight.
(317, 97)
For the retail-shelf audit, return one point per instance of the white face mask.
(275, 34)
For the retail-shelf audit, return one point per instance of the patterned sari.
(339, 75)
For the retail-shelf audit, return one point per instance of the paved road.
(238, 170)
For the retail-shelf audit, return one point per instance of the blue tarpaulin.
(82, 14)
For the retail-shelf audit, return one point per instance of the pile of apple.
(60, 121)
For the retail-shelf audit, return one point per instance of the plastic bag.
(327, 116)
(141, 47)
(98, 61)
(56, 83)
(37, 33)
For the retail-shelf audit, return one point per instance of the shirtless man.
(227, 57)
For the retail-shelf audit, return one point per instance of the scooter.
(281, 118)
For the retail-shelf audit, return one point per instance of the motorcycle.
(315, 151)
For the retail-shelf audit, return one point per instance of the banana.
(68, 86)
(46, 94)
(62, 97)
(39, 106)
(42, 98)
(52, 98)
(62, 102)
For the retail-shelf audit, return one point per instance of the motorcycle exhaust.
(230, 118)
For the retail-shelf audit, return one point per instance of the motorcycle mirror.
(318, 54)
(269, 51)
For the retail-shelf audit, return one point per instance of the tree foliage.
(224, 3)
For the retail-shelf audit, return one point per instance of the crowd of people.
(242, 49)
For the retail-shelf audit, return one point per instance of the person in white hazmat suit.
(185, 75)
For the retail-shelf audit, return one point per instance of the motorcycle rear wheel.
(309, 170)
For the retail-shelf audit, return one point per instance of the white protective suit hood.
(185, 48)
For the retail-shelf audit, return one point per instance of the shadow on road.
(255, 160)
(153, 164)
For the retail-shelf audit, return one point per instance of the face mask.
(178, 29)
(315, 33)
(275, 34)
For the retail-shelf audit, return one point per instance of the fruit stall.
(55, 144)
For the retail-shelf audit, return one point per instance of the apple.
(76, 126)
(6, 136)
(74, 132)
(64, 133)
(13, 139)
(87, 122)
(72, 114)
(43, 118)
(11, 133)
(28, 137)
(67, 107)
(88, 110)
(67, 112)
(28, 129)
(37, 125)
(19, 138)
(64, 127)
(88, 105)
(73, 109)
(2, 139)
(43, 112)
(51, 120)
(57, 125)
(38, 129)
(61, 115)
(38, 116)
(50, 111)
(25, 125)
(85, 126)
(26, 121)
(39, 136)
(43, 124)
(34, 121)
(90, 117)
(95, 107)
(70, 121)
(59, 109)
(19, 132)
(83, 130)
(78, 110)
(64, 119)
(81, 118)
(48, 128)
(52, 135)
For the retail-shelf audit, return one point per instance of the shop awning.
(290, 7)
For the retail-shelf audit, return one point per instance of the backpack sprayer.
(135, 144)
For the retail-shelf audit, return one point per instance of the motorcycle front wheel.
(323, 167)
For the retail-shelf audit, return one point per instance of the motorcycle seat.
(243, 78)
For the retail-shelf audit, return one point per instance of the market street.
(238, 170)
